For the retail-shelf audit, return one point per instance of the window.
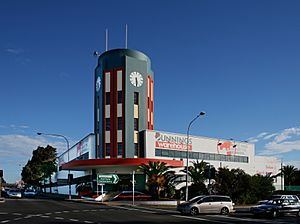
(136, 98)
(107, 124)
(136, 149)
(120, 96)
(107, 149)
(120, 123)
(120, 149)
(136, 124)
(107, 98)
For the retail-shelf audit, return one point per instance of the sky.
(236, 60)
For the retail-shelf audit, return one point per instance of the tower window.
(107, 149)
(120, 97)
(107, 98)
(120, 123)
(136, 149)
(136, 98)
(107, 124)
(136, 124)
(120, 149)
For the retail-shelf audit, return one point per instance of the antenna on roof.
(126, 36)
(106, 39)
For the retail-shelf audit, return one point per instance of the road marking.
(3, 213)
(16, 213)
(45, 216)
(16, 219)
(75, 211)
(59, 218)
(74, 220)
(86, 210)
(94, 210)
(88, 222)
(65, 211)
(5, 221)
(57, 212)
(49, 213)
(134, 209)
(197, 218)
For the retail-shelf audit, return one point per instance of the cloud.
(257, 138)
(22, 145)
(15, 51)
(284, 141)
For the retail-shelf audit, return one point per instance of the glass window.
(107, 149)
(171, 153)
(165, 153)
(107, 98)
(157, 152)
(136, 149)
(120, 149)
(120, 97)
(120, 123)
(107, 124)
(136, 98)
(136, 124)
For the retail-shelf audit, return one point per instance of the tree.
(289, 173)
(41, 166)
(157, 179)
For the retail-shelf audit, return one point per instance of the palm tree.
(157, 179)
(196, 171)
(289, 173)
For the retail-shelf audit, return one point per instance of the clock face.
(98, 84)
(136, 79)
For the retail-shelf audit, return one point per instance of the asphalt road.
(44, 211)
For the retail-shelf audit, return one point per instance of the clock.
(98, 84)
(136, 79)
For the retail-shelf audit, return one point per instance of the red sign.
(167, 141)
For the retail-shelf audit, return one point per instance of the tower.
(123, 103)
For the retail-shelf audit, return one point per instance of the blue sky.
(236, 60)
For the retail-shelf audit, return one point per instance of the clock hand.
(136, 81)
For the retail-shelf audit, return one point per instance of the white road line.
(134, 209)
(3, 213)
(45, 216)
(16, 213)
(59, 218)
(57, 212)
(16, 219)
(93, 210)
(5, 221)
(87, 222)
(65, 211)
(74, 220)
(49, 213)
(86, 210)
(197, 218)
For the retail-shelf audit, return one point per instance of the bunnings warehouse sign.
(107, 178)
(169, 141)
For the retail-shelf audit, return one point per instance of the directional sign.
(107, 178)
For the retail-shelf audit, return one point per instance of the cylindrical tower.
(123, 103)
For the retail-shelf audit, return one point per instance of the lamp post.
(68, 149)
(187, 155)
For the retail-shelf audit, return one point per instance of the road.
(44, 211)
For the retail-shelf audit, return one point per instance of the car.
(30, 193)
(14, 193)
(280, 196)
(276, 207)
(128, 196)
(220, 204)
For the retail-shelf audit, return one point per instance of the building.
(124, 135)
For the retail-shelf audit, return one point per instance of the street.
(52, 211)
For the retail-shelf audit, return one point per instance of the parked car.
(30, 193)
(280, 196)
(276, 207)
(14, 193)
(128, 196)
(207, 204)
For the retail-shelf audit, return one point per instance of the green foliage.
(241, 187)
(158, 177)
(290, 174)
(41, 165)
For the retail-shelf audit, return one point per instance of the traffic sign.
(107, 178)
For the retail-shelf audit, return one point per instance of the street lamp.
(68, 149)
(187, 155)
